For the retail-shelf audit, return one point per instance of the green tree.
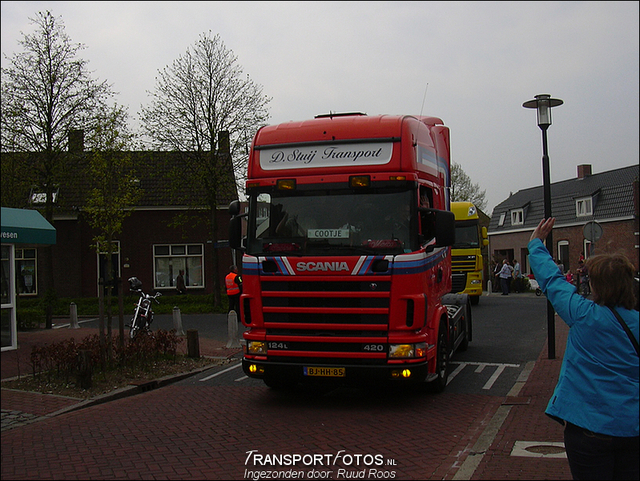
(47, 91)
(202, 94)
(109, 202)
(464, 190)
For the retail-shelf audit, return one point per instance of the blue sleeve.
(563, 296)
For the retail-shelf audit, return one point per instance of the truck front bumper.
(339, 373)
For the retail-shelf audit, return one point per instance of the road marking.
(455, 372)
(487, 437)
(60, 326)
(494, 377)
(220, 372)
(500, 367)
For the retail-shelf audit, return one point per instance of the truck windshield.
(466, 235)
(336, 223)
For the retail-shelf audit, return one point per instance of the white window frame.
(9, 300)
(19, 257)
(502, 217)
(584, 207)
(559, 245)
(517, 217)
(160, 281)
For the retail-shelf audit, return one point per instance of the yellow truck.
(466, 253)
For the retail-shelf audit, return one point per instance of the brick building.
(169, 229)
(608, 198)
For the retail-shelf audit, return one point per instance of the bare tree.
(462, 189)
(202, 94)
(46, 92)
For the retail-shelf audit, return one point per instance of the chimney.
(223, 143)
(584, 170)
(76, 141)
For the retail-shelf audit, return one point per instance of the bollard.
(85, 369)
(193, 343)
(489, 287)
(73, 310)
(177, 321)
(232, 329)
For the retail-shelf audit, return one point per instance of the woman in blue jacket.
(596, 397)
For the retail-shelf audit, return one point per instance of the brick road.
(191, 431)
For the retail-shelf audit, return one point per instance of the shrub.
(29, 318)
(60, 359)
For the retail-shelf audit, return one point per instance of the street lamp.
(543, 103)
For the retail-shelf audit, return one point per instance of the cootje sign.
(338, 155)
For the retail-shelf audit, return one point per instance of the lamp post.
(543, 103)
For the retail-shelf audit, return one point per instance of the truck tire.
(442, 360)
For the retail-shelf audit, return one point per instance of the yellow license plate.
(325, 371)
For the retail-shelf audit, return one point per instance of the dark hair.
(611, 276)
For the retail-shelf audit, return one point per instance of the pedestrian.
(181, 288)
(569, 277)
(233, 284)
(596, 397)
(506, 273)
(517, 276)
(583, 278)
(496, 276)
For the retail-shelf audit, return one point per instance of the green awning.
(24, 226)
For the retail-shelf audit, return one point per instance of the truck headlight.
(407, 351)
(476, 281)
(256, 347)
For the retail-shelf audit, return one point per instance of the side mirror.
(445, 228)
(235, 232)
(234, 208)
(485, 235)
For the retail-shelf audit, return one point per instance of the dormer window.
(501, 221)
(584, 206)
(517, 217)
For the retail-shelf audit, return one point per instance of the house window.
(26, 268)
(563, 254)
(502, 217)
(584, 207)
(517, 217)
(169, 260)
(115, 264)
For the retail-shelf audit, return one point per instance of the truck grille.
(458, 282)
(463, 263)
(327, 322)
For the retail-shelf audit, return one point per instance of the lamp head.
(543, 104)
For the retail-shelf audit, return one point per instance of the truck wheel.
(442, 361)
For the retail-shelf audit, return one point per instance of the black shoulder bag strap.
(626, 329)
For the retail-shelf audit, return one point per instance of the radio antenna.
(424, 98)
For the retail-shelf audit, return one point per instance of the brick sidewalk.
(528, 423)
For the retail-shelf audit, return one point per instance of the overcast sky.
(477, 61)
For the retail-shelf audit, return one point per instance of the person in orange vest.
(233, 283)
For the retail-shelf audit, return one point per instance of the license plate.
(324, 371)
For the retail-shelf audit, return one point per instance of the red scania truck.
(346, 260)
